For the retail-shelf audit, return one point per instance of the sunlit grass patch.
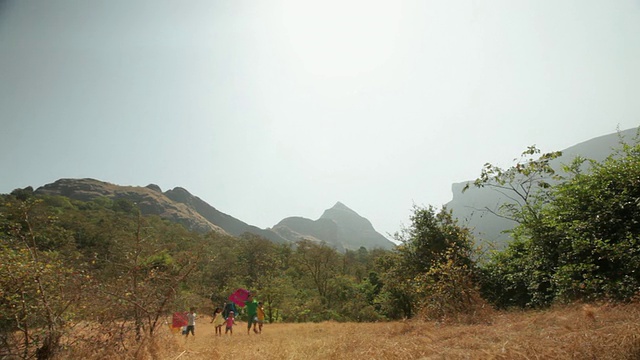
(567, 332)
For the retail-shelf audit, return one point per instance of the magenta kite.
(239, 297)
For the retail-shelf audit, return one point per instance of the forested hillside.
(66, 260)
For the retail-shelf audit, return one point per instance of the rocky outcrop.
(150, 200)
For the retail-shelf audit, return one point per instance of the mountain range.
(339, 226)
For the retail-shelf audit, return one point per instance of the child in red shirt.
(230, 321)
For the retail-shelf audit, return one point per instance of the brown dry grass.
(571, 332)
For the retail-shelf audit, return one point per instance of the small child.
(191, 322)
(230, 323)
(260, 317)
(218, 321)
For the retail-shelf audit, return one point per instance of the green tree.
(320, 263)
(220, 273)
(581, 243)
(524, 186)
(145, 271)
(597, 217)
(258, 257)
(274, 286)
(417, 269)
(38, 289)
(429, 236)
(396, 297)
(507, 275)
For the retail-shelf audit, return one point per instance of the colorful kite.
(179, 320)
(239, 297)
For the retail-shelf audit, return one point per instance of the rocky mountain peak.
(341, 206)
(180, 195)
(154, 187)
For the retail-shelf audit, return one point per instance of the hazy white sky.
(270, 109)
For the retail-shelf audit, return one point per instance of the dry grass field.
(572, 332)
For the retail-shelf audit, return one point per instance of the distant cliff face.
(469, 207)
(339, 226)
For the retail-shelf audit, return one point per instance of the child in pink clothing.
(230, 321)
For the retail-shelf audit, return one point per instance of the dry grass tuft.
(566, 332)
(589, 312)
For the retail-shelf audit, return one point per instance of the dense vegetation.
(66, 264)
(578, 236)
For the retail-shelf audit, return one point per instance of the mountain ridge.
(348, 231)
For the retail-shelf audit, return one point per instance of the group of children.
(255, 313)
